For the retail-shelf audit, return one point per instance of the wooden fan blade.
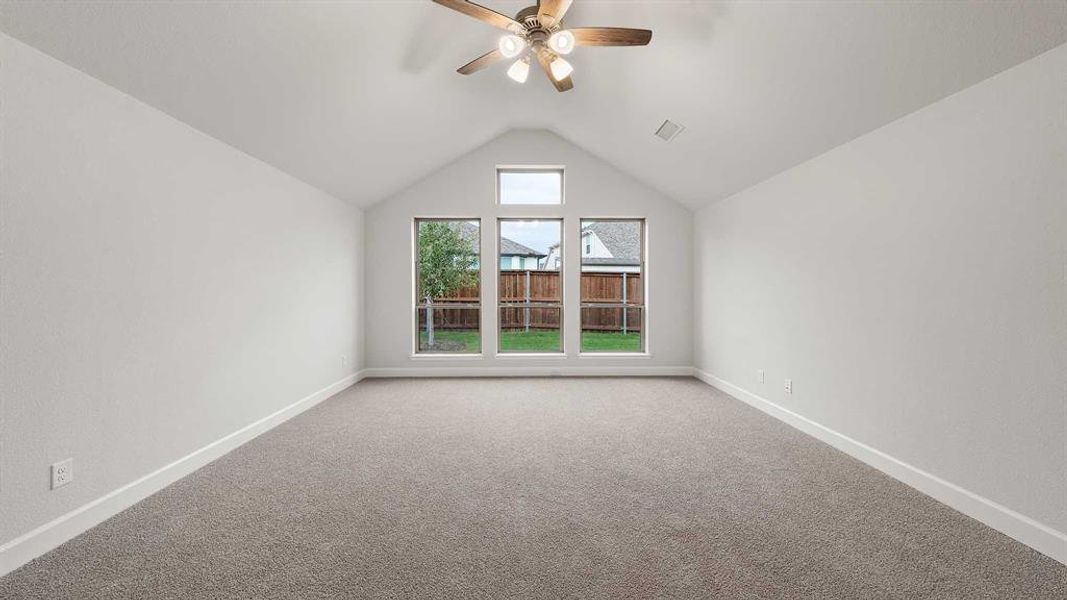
(481, 62)
(610, 36)
(484, 14)
(550, 12)
(545, 58)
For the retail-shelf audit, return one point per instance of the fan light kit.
(561, 42)
(512, 45)
(560, 68)
(538, 31)
(520, 70)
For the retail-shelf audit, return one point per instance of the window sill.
(445, 356)
(529, 355)
(614, 355)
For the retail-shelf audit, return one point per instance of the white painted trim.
(540, 371)
(531, 355)
(28, 546)
(447, 356)
(1037, 535)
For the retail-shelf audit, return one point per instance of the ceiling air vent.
(669, 130)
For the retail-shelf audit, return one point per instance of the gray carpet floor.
(538, 488)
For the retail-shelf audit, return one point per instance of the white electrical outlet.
(789, 386)
(760, 376)
(344, 361)
(62, 473)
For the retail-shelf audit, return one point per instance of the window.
(530, 298)
(447, 286)
(529, 185)
(612, 295)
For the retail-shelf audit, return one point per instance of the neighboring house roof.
(610, 261)
(468, 231)
(621, 238)
(511, 248)
(507, 247)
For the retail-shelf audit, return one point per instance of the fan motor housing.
(526, 14)
(529, 19)
(537, 37)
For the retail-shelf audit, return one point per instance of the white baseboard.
(538, 371)
(1037, 535)
(28, 546)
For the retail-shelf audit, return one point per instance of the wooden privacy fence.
(544, 286)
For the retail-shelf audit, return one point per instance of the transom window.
(529, 185)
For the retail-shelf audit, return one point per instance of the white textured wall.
(159, 288)
(913, 284)
(467, 188)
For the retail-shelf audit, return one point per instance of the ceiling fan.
(539, 29)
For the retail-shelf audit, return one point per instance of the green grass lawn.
(537, 340)
(610, 341)
(471, 341)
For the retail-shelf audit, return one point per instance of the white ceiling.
(361, 98)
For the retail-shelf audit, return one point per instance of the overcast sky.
(538, 235)
(530, 188)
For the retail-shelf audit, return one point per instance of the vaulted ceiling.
(361, 98)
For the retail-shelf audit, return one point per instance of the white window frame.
(416, 306)
(500, 353)
(644, 351)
